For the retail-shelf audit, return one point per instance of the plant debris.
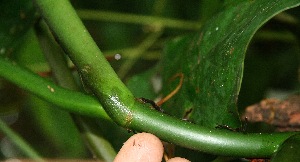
(284, 115)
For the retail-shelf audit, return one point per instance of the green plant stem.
(19, 142)
(138, 52)
(92, 65)
(137, 19)
(68, 100)
(127, 111)
(55, 57)
(146, 44)
(266, 35)
(63, 76)
(100, 147)
(126, 54)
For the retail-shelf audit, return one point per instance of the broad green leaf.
(289, 150)
(146, 82)
(212, 62)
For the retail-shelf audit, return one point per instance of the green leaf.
(289, 150)
(212, 62)
(142, 85)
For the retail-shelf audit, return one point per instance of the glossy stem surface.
(129, 112)
(68, 100)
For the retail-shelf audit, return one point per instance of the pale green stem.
(19, 142)
(136, 19)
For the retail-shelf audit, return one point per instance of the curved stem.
(167, 128)
(128, 112)
(99, 146)
(92, 65)
(72, 101)
(137, 19)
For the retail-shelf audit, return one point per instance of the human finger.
(141, 147)
(178, 159)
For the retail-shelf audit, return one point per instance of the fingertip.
(178, 159)
(141, 147)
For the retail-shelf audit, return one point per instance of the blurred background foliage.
(138, 31)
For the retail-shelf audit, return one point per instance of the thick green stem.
(100, 147)
(68, 100)
(85, 54)
(128, 112)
